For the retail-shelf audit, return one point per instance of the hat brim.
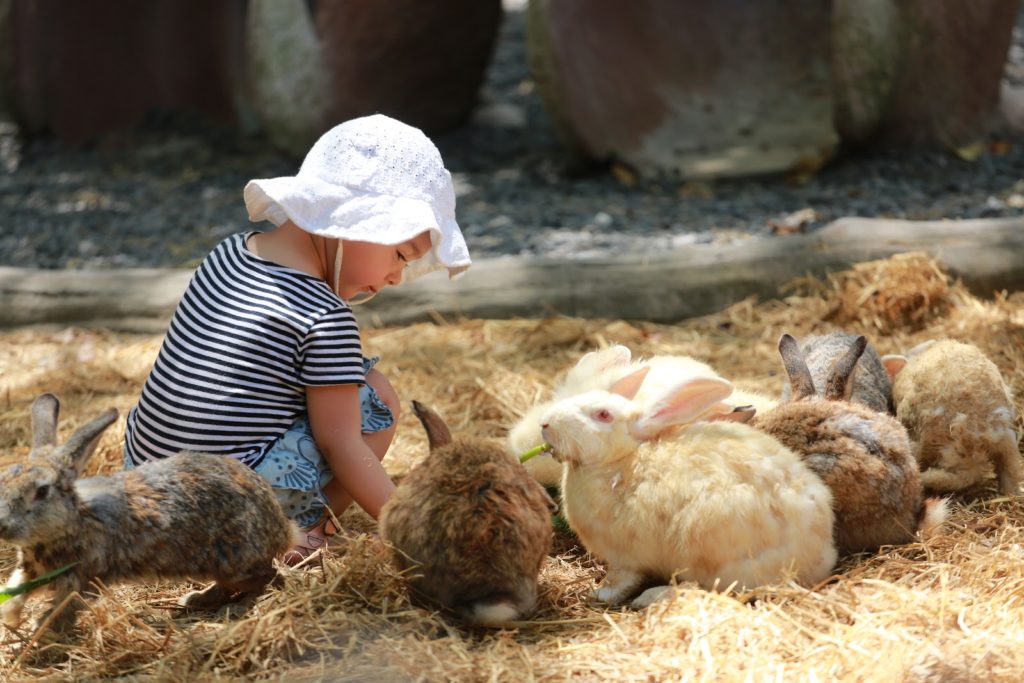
(341, 212)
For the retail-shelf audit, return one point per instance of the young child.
(262, 360)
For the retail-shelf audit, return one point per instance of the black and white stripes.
(245, 341)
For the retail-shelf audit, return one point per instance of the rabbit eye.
(603, 415)
(42, 492)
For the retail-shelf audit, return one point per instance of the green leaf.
(8, 593)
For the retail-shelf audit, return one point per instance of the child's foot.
(314, 537)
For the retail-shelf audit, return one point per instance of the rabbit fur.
(191, 515)
(471, 527)
(659, 495)
(599, 370)
(870, 383)
(592, 370)
(863, 455)
(960, 416)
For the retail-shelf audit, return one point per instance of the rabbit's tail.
(499, 607)
(934, 512)
(496, 613)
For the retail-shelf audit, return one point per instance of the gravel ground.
(164, 195)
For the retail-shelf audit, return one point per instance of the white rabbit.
(657, 494)
(599, 370)
(590, 372)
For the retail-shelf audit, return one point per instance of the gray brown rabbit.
(471, 526)
(870, 383)
(864, 456)
(191, 515)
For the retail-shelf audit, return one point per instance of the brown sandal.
(314, 537)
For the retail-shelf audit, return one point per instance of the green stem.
(8, 593)
(536, 450)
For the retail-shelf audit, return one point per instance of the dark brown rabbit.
(471, 526)
(870, 383)
(864, 456)
(191, 515)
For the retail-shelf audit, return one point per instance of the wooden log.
(668, 286)
(987, 254)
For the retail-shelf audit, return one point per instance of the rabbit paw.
(210, 598)
(55, 626)
(651, 596)
(935, 479)
(11, 612)
(618, 585)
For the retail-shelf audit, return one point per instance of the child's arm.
(335, 416)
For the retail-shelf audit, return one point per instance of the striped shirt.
(246, 340)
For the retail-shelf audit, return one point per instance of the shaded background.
(159, 184)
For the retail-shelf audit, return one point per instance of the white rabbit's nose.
(545, 425)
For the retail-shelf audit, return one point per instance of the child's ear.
(682, 403)
(893, 364)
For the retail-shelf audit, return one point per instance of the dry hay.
(948, 609)
(906, 291)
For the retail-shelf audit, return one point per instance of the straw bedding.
(949, 609)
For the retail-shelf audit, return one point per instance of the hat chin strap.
(337, 279)
(337, 267)
(355, 301)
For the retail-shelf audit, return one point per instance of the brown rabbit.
(864, 456)
(191, 515)
(471, 525)
(960, 415)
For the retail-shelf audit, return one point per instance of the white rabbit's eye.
(602, 415)
(42, 492)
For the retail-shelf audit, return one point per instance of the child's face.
(369, 267)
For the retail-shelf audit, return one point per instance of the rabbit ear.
(893, 363)
(923, 346)
(683, 403)
(83, 442)
(796, 367)
(45, 410)
(839, 386)
(630, 384)
(438, 434)
(594, 364)
(603, 359)
(737, 414)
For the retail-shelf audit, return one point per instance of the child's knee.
(385, 391)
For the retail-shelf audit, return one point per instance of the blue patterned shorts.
(296, 470)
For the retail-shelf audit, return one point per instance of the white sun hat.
(371, 179)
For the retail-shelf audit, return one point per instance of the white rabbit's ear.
(604, 359)
(893, 364)
(681, 404)
(630, 384)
